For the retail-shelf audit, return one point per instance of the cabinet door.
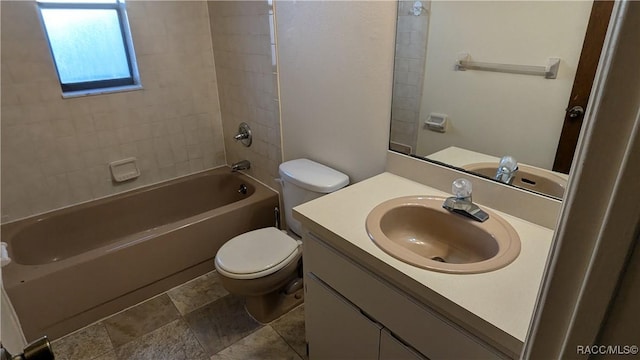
(335, 328)
(392, 349)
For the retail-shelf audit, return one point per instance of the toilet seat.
(256, 254)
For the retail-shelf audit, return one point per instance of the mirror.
(471, 115)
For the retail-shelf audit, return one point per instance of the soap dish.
(437, 122)
(124, 170)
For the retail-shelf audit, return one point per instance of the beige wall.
(335, 63)
(621, 324)
(247, 83)
(55, 152)
(496, 113)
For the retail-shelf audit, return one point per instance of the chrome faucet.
(244, 134)
(461, 202)
(241, 165)
(507, 169)
(241, 136)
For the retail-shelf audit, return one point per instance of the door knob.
(575, 111)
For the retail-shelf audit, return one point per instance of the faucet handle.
(508, 162)
(506, 169)
(461, 188)
(244, 134)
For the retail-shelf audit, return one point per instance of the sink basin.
(527, 177)
(418, 231)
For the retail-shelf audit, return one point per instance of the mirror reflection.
(475, 81)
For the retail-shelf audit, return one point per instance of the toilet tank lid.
(313, 176)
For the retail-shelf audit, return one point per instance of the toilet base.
(266, 308)
(266, 298)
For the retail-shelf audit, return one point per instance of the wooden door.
(585, 73)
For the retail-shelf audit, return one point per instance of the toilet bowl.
(258, 265)
(265, 265)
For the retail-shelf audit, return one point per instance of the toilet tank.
(304, 180)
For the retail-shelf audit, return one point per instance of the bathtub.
(76, 265)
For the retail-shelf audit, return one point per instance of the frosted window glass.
(80, 1)
(87, 44)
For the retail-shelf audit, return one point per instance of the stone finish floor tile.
(291, 327)
(141, 319)
(263, 344)
(221, 323)
(174, 341)
(85, 344)
(197, 293)
(194, 321)
(111, 355)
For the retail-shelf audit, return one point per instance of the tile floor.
(196, 320)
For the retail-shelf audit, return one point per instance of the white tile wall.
(55, 152)
(411, 44)
(247, 83)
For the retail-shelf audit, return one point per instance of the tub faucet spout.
(241, 165)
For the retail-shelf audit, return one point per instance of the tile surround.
(174, 126)
(247, 82)
(55, 151)
(411, 40)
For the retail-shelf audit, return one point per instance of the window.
(91, 45)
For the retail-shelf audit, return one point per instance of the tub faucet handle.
(244, 134)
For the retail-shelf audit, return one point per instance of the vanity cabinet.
(354, 336)
(352, 313)
(391, 348)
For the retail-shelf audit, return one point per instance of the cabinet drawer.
(335, 328)
(417, 325)
(393, 349)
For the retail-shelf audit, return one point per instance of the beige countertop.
(459, 157)
(503, 298)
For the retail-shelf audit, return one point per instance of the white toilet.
(264, 265)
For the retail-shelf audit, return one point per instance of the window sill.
(75, 94)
